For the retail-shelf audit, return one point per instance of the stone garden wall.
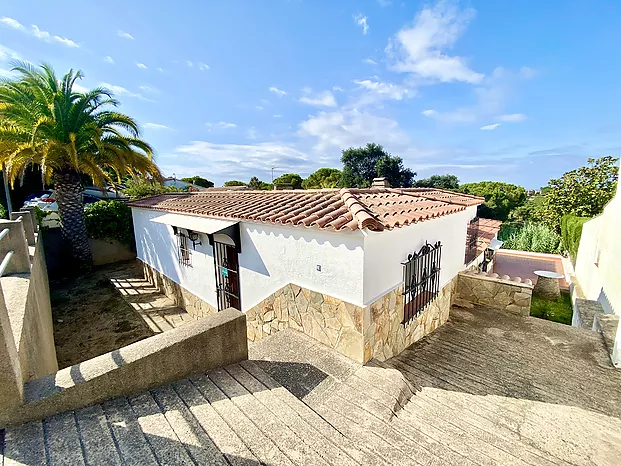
(491, 290)
(191, 303)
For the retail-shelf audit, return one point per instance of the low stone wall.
(108, 251)
(187, 301)
(386, 335)
(360, 333)
(215, 341)
(329, 320)
(493, 291)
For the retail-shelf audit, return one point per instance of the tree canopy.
(234, 183)
(500, 198)
(439, 181)
(293, 179)
(362, 164)
(583, 192)
(199, 181)
(323, 178)
(137, 188)
(256, 183)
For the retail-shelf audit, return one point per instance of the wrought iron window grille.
(421, 279)
(472, 235)
(184, 252)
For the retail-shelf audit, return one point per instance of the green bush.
(139, 187)
(3, 212)
(109, 220)
(571, 232)
(533, 237)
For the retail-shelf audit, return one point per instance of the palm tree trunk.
(68, 194)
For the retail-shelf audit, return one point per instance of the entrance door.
(227, 276)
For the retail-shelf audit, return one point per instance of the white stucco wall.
(272, 256)
(600, 243)
(385, 251)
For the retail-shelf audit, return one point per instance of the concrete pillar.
(28, 226)
(35, 223)
(11, 384)
(15, 241)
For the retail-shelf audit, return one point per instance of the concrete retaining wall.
(215, 341)
(108, 251)
(490, 290)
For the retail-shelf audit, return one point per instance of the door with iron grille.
(227, 276)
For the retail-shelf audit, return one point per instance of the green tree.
(44, 120)
(583, 192)
(234, 183)
(500, 198)
(256, 184)
(199, 181)
(323, 178)
(362, 164)
(450, 182)
(293, 179)
(137, 188)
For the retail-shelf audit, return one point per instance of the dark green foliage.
(500, 198)
(141, 187)
(450, 182)
(3, 212)
(199, 181)
(583, 192)
(560, 310)
(533, 237)
(323, 178)
(256, 183)
(293, 179)
(362, 164)
(571, 232)
(109, 220)
(234, 183)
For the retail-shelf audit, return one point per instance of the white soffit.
(190, 222)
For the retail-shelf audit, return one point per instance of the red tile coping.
(346, 209)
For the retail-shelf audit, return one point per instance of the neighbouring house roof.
(488, 229)
(346, 209)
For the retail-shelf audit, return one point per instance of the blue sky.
(510, 91)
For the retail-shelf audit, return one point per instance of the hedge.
(109, 220)
(571, 232)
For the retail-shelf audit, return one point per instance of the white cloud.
(141, 65)
(461, 115)
(490, 127)
(527, 72)
(203, 66)
(341, 129)
(149, 89)
(227, 161)
(221, 124)
(337, 89)
(321, 99)
(258, 107)
(278, 92)
(369, 61)
(419, 48)
(252, 133)
(385, 90)
(125, 35)
(513, 118)
(190, 64)
(277, 116)
(384, 3)
(7, 54)
(120, 90)
(79, 88)
(109, 59)
(38, 33)
(161, 70)
(362, 22)
(156, 126)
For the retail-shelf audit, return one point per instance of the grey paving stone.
(62, 440)
(97, 440)
(24, 444)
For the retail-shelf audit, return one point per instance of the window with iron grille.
(421, 279)
(183, 248)
(472, 236)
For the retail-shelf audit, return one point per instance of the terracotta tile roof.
(488, 229)
(346, 209)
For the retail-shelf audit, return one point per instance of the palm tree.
(45, 121)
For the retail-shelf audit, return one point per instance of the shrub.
(109, 220)
(140, 187)
(571, 232)
(533, 237)
(3, 212)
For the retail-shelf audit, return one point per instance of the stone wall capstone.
(491, 290)
(191, 303)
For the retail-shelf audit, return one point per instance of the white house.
(598, 270)
(331, 263)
